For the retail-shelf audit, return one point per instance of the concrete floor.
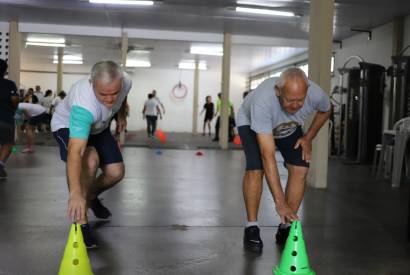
(174, 140)
(178, 213)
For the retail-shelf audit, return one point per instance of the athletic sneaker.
(282, 235)
(3, 173)
(100, 211)
(88, 236)
(252, 240)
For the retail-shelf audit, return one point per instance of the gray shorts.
(6, 133)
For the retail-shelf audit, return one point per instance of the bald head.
(106, 72)
(107, 81)
(291, 89)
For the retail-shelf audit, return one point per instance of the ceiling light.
(46, 39)
(262, 3)
(78, 62)
(67, 57)
(45, 44)
(265, 11)
(138, 63)
(190, 65)
(139, 52)
(123, 2)
(207, 50)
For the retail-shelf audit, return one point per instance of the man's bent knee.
(114, 172)
(298, 171)
(91, 160)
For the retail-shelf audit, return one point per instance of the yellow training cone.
(75, 260)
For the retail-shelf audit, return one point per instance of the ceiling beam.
(160, 35)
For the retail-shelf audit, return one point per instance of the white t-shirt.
(81, 94)
(47, 102)
(32, 109)
(56, 101)
(39, 95)
(151, 107)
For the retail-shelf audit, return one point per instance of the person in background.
(209, 113)
(28, 95)
(9, 101)
(231, 119)
(47, 100)
(61, 95)
(154, 93)
(35, 115)
(47, 104)
(150, 112)
(38, 93)
(19, 122)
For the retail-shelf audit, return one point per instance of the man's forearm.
(74, 171)
(123, 110)
(318, 121)
(272, 177)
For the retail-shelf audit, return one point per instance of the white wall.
(378, 50)
(178, 116)
(47, 80)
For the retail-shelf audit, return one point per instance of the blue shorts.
(104, 143)
(285, 145)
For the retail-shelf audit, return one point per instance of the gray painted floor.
(139, 139)
(178, 213)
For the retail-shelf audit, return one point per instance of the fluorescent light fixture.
(78, 62)
(207, 50)
(190, 65)
(262, 3)
(45, 44)
(46, 39)
(138, 63)
(123, 2)
(67, 57)
(265, 11)
(136, 52)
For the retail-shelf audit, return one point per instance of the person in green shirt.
(231, 119)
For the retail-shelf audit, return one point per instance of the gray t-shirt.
(261, 109)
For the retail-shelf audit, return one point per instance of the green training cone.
(294, 259)
(75, 260)
(14, 149)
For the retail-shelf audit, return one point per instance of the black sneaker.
(282, 235)
(100, 211)
(252, 240)
(88, 236)
(3, 173)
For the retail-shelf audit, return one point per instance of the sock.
(284, 225)
(1, 163)
(248, 224)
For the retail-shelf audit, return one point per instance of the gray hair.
(292, 73)
(106, 71)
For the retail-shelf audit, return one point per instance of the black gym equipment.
(360, 111)
(399, 72)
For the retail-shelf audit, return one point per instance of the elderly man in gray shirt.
(272, 117)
